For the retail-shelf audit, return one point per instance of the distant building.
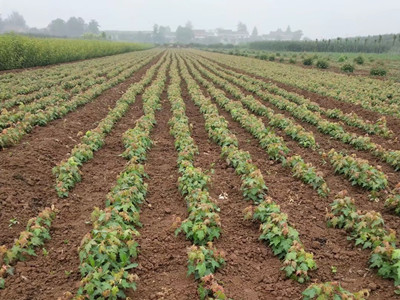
(202, 36)
(228, 36)
(280, 35)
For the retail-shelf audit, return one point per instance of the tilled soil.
(251, 270)
(48, 276)
(306, 211)
(162, 256)
(337, 182)
(56, 273)
(26, 181)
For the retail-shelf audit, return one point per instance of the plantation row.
(371, 94)
(288, 129)
(17, 122)
(357, 170)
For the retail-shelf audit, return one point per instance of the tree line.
(370, 44)
(73, 27)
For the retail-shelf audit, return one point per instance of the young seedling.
(13, 222)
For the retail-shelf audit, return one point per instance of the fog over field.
(317, 19)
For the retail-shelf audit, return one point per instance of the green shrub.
(322, 64)
(342, 58)
(377, 71)
(281, 59)
(348, 68)
(359, 60)
(308, 61)
(271, 58)
(292, 61)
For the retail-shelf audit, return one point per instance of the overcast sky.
(317, 18)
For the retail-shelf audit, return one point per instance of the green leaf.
(201, 269)
(291, 256)
(134, 265)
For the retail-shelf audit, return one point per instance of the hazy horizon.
(317, 19)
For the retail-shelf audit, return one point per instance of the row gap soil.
(306, 211)
(27, 182)
(162, 256)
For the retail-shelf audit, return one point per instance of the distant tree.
(93, 27)
(242, 28)
(57, 27)
(162, 34)
(185, 34)
(254, 33)
(15, 22)
(155, 28)
(288, 29)
(75, 27)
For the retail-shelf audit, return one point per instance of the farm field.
(335, 61)
(186, 174)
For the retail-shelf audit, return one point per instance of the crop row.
(369, 232)
(70, 85)
(301, 112)
(30, 81)
(13, 135)
(9, 117)
(371, 94)
(203, 224)
(267, 208)
(36, 233)
(67, 171)
(274, 145)
(281, 236)
(57, 95)
(296, 132)
(358, 171)
(106, 252)
(351, 119)
(392, 157)
(27, 89)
